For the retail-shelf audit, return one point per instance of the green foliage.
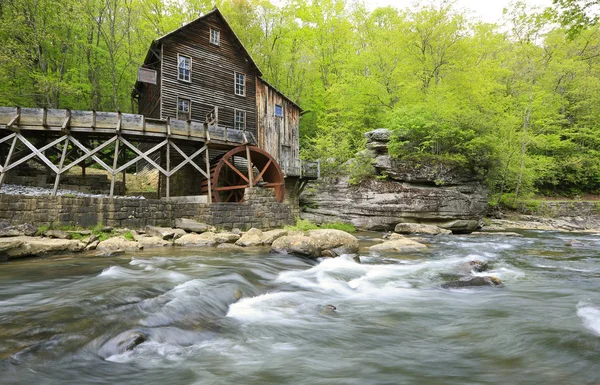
(360, 168)
(42, 229)
(129, 236)
(305, 225)
(302, 225)
(517, 104)
(347, 227)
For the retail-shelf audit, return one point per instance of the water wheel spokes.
(243, 167)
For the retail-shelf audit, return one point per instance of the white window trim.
(235, 74)
(235, 111)
(210, 33)
(178, 78)
(189, 107)
(275, 110)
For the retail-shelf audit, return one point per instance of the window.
(278, 110)
(240, 84)
(185, 68)
(184, 109)
(240, 120)
(214, 36)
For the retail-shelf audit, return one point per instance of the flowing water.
(214, 317)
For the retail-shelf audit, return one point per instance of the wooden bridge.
(61, 139)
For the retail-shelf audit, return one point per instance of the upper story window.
(240, 84)
(184, 68)
(240, 120)
(184, 109)
(278, 110)
(215, 36)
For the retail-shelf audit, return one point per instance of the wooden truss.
(120, 143)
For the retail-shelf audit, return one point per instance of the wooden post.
(250, 172)
(114, 167)
(207, 158)
(60, 166)
(7, 163)
(168, 192)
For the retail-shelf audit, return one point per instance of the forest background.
(517, 102)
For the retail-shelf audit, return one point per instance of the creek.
(210, 316)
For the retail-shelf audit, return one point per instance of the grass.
(305, 225)
(129, 236)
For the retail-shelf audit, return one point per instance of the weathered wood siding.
(149, 100)
(279, 136)
(212, 74)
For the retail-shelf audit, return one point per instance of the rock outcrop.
(416, 228)
(25, 246)
(472, 282)
(398, 244)
(427, 192)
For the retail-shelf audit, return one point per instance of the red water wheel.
(230, 176)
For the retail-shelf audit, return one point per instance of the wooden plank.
(60, 167)
(138, 158)
(188, 159)
(250, 166)
(7, 162)
(168, 161)
(39, 153)
(90, 153)
(144, 156)
(235, 169)
(7, 114)
(114, 167)
(207, 160)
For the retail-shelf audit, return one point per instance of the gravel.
(13, 189)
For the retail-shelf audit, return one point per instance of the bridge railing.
(43, 119)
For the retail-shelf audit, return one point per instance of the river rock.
(119, 243)
(317, 243)
(20, 230)
(338, 241)
(472, 282)
(24, 246)
(296, 244)
(270, 236)
(148, 241)
(252, 237)
(226, 237)
(59, 234)
(92, 245)
(398, 245)
(122, 343)
(164, 232)
(191, 225)
(416, 228)
(197, 240)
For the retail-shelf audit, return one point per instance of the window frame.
(235, 83)
(189, 113)
(235, 121)
(275, 110)
(179, 56)
(210, 37)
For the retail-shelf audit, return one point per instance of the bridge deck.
(41, 120)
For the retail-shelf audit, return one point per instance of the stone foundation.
(260, 210)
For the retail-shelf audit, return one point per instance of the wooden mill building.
(201, 72)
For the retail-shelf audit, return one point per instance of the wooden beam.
(187, 159)
(263, 171)
(207, 159)
(143, 155)
(7, 162)
(229, 188)
(38, 153)
(60, 166)
(115, 163)
(236, 170)
(168, 192)
(15, 120)
(250, 167)
(67, 122)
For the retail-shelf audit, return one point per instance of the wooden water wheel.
(230, 174)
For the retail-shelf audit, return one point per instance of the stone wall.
(259, 210)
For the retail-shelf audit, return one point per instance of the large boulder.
(296, 244)
(191, 225)
(148, 241)
(164, 232)
(416, 228)
(472, 282)
(17, 231)
(196, 240)
(378, 135)
(24, 246)
(119, 243)
(337, 241)
(398, 244)
(270, 236)
(252, 237)
(317, 243)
